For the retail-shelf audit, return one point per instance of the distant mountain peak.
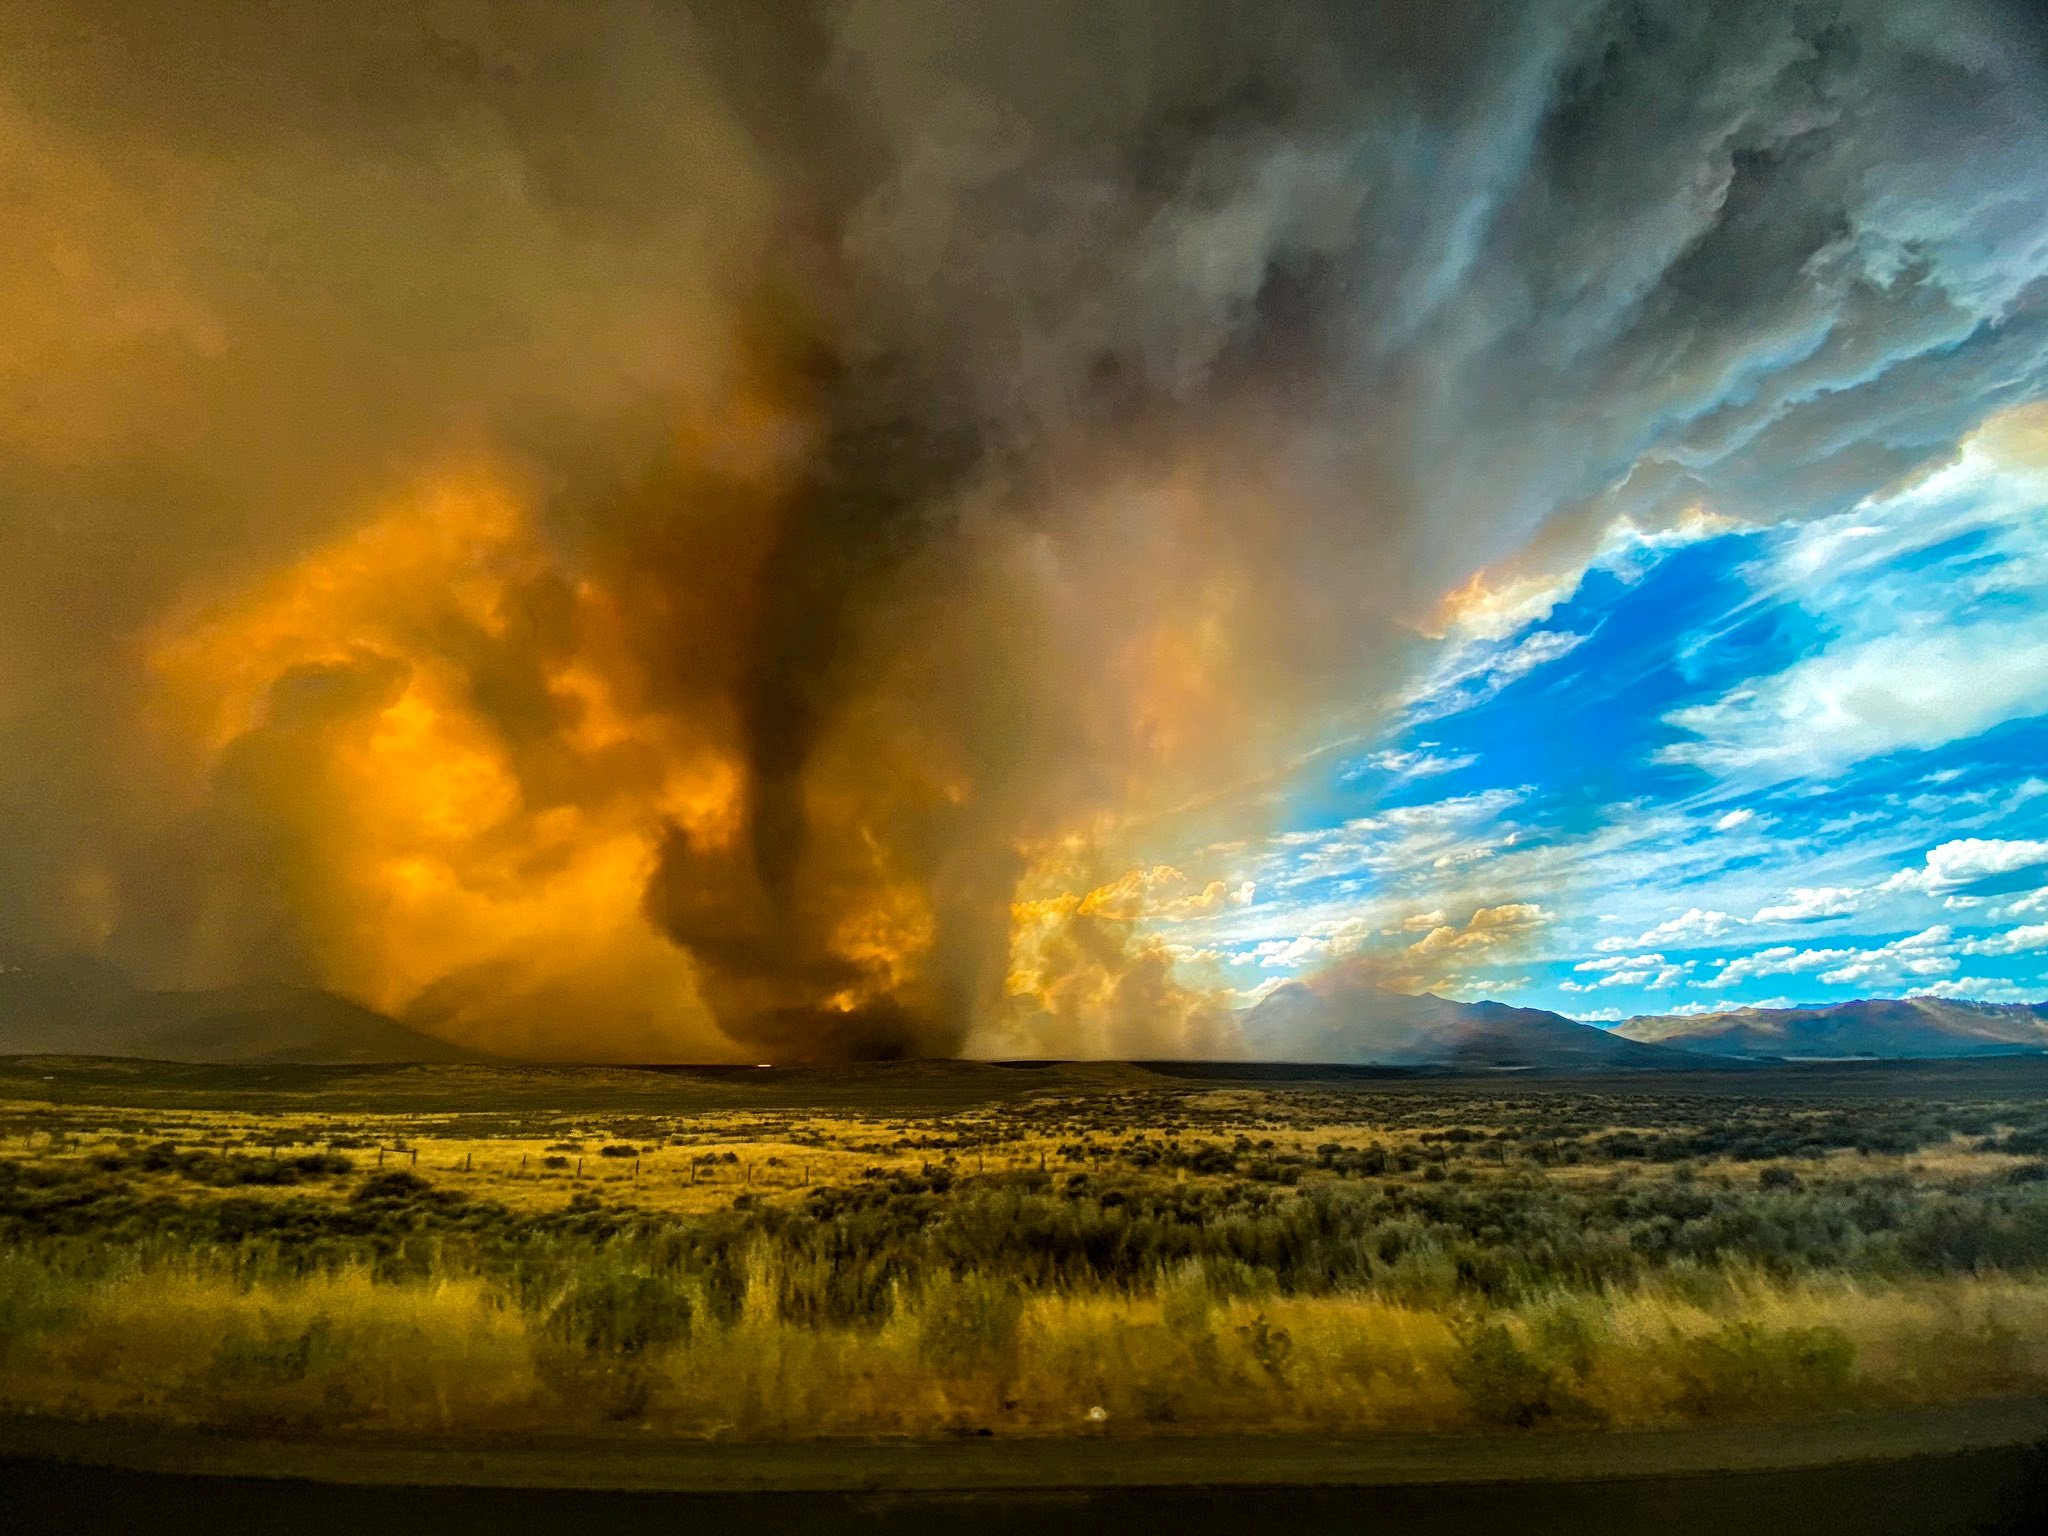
(1350, 1023)
(1893, 1028)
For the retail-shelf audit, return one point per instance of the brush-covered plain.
(460, 1252)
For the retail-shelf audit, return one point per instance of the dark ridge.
(83, 1007)
(1278, 1071)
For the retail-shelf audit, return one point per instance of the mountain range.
(83, 1007)
(89, 1008)
(1302, 1022)
(1886, 1028)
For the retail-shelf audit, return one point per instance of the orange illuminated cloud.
(430, 853)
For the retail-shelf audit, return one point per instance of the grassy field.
(954, 1249)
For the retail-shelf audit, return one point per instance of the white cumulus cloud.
(1808, 902)
(1916, 954)
(1967, 860)
(1692, 924)
(2014, 941)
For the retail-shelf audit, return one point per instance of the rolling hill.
(1885, 1028)
(1300, 1022)
(88, 1008)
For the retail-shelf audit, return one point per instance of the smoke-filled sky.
(801, 531)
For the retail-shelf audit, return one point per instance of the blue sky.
(1730, 765)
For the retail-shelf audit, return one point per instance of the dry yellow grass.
(343, 1353)
(459, 1328)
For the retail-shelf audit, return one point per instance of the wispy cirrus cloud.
(1866, 698)
(1422, 761)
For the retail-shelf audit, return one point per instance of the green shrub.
(969, 1321)
(1270, 1347)
(1564, 1333)
(264, 1360)
(32, 1300)
(622, 1314)
(1742, 1368)
(1504, 1383)
(397, 1187)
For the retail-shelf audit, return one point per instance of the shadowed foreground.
(1979, 1468)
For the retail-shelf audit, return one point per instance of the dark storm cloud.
(979, 426)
